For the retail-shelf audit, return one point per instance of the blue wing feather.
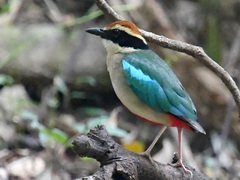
(156, 85)
(146, 88)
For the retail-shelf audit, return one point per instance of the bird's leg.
(149, 149)
(180, 159)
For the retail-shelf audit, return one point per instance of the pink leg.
(180, 159)
(149, 149)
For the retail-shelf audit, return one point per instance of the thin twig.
(231, 66)
(194, 51)
(54, 12)
(108, 9)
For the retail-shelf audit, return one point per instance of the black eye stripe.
(124, 39)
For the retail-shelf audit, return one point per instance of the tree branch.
(119, 163)
(194, 51)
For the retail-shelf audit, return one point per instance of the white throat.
(113, 48)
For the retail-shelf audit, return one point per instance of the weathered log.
(119, 163)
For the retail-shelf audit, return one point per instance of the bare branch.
(102, 4)
(194, 51)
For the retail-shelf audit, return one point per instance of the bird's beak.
(95, 31)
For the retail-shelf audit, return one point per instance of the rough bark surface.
(119, 163)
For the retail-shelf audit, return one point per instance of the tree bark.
(119, 163)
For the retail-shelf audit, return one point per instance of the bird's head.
(120, 36)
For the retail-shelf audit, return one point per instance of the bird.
(145, 84)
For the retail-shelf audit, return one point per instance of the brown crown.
(126, 24)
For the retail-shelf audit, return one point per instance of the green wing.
(156, 85)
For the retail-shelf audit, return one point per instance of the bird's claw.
(149, 158)
(180, 164)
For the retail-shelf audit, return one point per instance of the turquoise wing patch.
(157, 86)
(146, 88)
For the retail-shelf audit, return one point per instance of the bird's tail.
(196, 126)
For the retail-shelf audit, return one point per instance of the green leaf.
(87, 159)
(55, 134)
(45, 134)
(92, 13)
(86, 80)
(78, 95)
(4, 8)
(88, 17)
(92, 111)
(6, 80)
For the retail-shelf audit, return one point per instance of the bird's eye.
(116, 32)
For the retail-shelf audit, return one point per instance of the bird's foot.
(149, 158)
(179, 163)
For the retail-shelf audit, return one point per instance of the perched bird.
(145, 84)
